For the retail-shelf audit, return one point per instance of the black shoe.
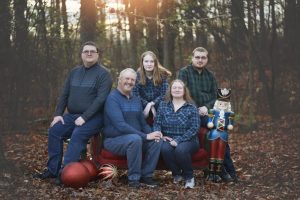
(217, 179)
(58, 180)
(235, 179)
(44, 175)
(148, 181)
(226, 178)
(134, 184)
(210, 177)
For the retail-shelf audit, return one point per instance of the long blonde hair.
(158, 72)
(186, 96)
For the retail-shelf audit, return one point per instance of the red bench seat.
(103, 156)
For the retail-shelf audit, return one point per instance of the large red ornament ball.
(92, 168)
(75, 175)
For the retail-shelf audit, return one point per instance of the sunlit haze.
(73, 6)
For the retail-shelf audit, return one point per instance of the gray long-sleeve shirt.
(85, 91)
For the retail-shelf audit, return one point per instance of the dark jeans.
(179, 159)
(228, 166)
(135, 149)
(79, 136)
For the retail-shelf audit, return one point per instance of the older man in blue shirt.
(127, 133)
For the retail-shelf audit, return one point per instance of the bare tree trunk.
(238, 27)
(68, 46)
(5, 31)
(263, 37)
(5, 64)
(254, 3)
(21, 78)
(151, 11)
(45, 52)
(101, 26)
(57, 19)
(88, 19)
(169, 47)
(250, 23)
(273, 64)
(118, 48)
(169, 36)
(5, 52)
(133, 33)
(292, 32)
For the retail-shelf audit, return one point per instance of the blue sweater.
(124, 116)
(85, 91)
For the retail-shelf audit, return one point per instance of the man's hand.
(156, 135)
(79, 121)
(203, 111)
(57, 119)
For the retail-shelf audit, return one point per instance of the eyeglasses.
(200, 57)
(87, 52)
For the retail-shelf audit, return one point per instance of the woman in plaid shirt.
(179, 121)
(151, 84)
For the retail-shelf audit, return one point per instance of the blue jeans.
(179, 159)
(79, 136)
(142, 156)
(228, 166)
(204, 121)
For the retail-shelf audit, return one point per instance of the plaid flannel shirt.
(182, 125)
(202, 86)
(149, 92)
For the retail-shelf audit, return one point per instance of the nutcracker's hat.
(224, 94)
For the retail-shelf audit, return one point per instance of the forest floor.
(267, 162)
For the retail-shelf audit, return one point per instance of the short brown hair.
(199, 49)
(90, 43)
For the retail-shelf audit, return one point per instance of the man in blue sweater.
(83, 97)
(127, 133)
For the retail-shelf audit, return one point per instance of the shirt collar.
(92, 66)
(196, 70)
(120, 93)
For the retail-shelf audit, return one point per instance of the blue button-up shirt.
(149, 92)
(182, 125)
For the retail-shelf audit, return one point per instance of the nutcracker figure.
(220, 121)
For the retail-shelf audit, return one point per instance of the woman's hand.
(170, 140)
(166, 138)
(147, 109)
(173, 143)
(153, 110)
(149, 106)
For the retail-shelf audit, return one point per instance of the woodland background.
(254, 48)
